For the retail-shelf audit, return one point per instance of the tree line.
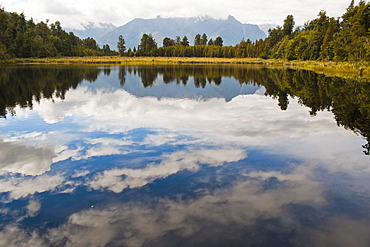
(25, 38)
(176, 47)
(325, 38)
(346, 98)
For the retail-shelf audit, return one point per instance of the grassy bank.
(345, 69)
(342, 69)
(133, 60)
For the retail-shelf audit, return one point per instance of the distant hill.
(231, 30)
(93, 30)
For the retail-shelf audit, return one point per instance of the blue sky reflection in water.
(124, 160)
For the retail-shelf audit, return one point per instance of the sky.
(72, 13)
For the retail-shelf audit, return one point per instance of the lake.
(187, 155)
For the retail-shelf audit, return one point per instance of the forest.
(325, 38)
(23, 38)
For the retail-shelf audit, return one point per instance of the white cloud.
(20, 157)
(33, 207)
(25, 186)
(92, 148)
(14, 236)
(73, 13)
(242, 116)
(80, 174)
(171, 164)
(242, 204)
(234, 209)
(245, 121)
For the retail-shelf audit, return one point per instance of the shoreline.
(342, 69)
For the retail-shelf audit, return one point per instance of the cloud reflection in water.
(236, 172)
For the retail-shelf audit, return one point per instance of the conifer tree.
(121, 45)
(185, 41)
(203, 40)
(210, 42)
(197, 39)
(288, 25)
(218, 41)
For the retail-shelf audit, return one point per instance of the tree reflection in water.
(186, 155)
(347, 98)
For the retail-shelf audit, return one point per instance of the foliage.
(324, 38)
(148, 46)
(25, 38)
(49, 83)
(121, 45)
(346, 98)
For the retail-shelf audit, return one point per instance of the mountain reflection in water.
(183, 156)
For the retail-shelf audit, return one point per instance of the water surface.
(182, 156)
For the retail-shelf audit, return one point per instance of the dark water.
(183, 156)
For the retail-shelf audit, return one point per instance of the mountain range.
(93, 30)
(231, 30)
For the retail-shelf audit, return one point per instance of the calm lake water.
(182, 156)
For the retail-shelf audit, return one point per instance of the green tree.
(203, 40)
(327, 47)
(106, 50)
(3, 53)
(210, 42)
(241, 49)
(218, 41)
(185, 41)
(24, 38)
(274, 37)
(90, 43)
(168, 42)
(148, 46)
(288, 25)
(197, 39)
(121, 45)
(351, 6)
(351, 42)
(130, 53)
(178, 40)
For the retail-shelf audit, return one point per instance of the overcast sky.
(71, 13)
